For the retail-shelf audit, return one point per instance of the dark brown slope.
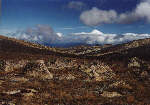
(119, 56)
(122, 47)
(123, 53)
(138, 48)
(11, 48)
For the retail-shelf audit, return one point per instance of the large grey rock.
(38, 69)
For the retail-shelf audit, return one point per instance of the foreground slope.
(32, 74)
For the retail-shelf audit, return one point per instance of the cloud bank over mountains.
(97, 16)
(44, 34)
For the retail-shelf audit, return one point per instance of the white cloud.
(142, 10)
(40, 33)
(96, 16)
(67, 28)
(96, 32)
(97, 37)
(59, 34)
(44, 34)
(77, 5)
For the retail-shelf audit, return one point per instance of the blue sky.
(76, 16)
(19, 14)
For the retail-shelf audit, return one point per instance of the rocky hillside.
(32, 74)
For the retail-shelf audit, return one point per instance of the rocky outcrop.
(11, 65)
(110, 94)
(67, 77)
(134, 62)
(37, 69)
(2, 65)
(100, 72)
(121, 84)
